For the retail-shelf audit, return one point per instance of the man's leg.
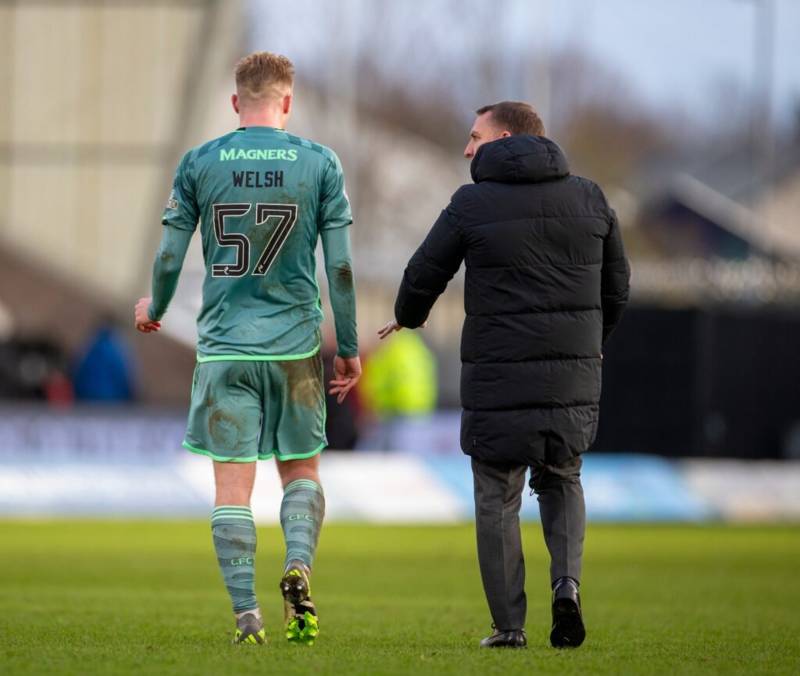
(498, 497)
(234, 534)
(302, 513)
(563, 513)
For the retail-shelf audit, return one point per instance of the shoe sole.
(304, 628)
(255, 638)
(504, 646)
(568, 630)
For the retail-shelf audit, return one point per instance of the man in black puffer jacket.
(546, 283)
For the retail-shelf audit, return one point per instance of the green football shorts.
(243, 411)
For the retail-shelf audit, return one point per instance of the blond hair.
(263, 75)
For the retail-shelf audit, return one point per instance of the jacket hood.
(519, 159)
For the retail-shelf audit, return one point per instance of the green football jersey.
(262, 197)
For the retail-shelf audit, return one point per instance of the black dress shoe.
(515, 638)
(568, 630)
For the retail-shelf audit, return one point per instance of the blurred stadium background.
(687, 113)
(694, 132)
(695, 135)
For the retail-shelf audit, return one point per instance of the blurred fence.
(699, 281)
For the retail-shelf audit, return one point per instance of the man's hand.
(346, 372)
(391, 327)
(142, 320)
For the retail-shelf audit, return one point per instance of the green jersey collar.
(261, 128)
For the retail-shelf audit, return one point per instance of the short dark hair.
(515, 116)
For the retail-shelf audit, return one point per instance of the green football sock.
(302, 512)
(234, 533)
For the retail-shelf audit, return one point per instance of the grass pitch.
(133, 598)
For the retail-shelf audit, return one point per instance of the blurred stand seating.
(50, 322)
(717, 381)
(34, 369)
(714, 382)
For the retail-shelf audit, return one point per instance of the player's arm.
(166, 271)
(428, 272)
(335, 219)
(179, 222)
(339, 270)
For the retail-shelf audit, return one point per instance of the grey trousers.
(498, 498)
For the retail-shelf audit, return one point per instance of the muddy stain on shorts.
(224, 428)
(304, 380)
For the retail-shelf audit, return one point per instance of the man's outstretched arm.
(428, 272)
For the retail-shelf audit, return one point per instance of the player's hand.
(141, 318)
(346, 372)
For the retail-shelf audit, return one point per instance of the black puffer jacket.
(546, 283)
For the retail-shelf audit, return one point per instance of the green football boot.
(249, 629)
(299, 612)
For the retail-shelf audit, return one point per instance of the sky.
(673, 53)
(683, 48)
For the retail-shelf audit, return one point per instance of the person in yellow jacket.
(399, 381)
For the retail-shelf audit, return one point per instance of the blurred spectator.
(58, 389)
(399, 382)
(105, 373)
(30, 368)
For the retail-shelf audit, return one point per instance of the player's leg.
(302, 514)
(498, 498)
(224, 424)
(234, 534)
(296, 411)
(302, 509)
(563, 513)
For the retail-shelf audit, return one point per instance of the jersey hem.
(202, 359)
